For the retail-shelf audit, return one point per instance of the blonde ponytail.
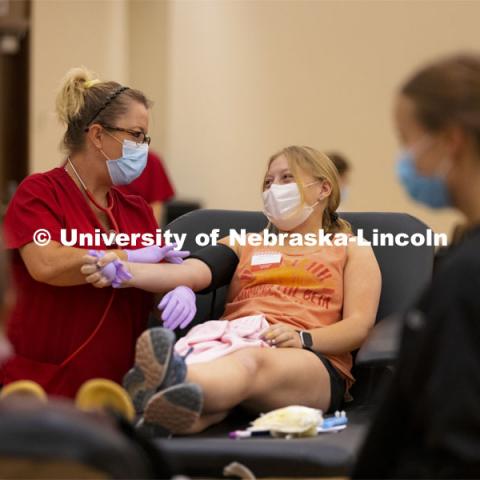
(71, 97)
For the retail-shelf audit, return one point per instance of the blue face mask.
(429, 190)
(130, 165)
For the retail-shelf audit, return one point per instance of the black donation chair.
(405, 272)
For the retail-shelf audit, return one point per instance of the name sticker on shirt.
(262, 261)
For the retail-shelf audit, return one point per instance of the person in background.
(429, 421)
(344, 168)
(153, 185)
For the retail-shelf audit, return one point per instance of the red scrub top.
(48, 324)
(153, 184)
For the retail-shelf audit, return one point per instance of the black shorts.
(337, 384)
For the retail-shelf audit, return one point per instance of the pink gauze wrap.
(216, 338)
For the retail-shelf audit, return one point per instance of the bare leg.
(262, 379)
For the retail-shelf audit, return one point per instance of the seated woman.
(319, 301)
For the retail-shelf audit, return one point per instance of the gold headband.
(91, 83)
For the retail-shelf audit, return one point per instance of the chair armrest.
(381, 346)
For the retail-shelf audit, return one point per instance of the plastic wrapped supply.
(292, 421)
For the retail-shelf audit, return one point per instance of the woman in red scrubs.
(65, 332)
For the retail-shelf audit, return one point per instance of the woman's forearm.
(163, 277)
(56, 264)
(344, 336)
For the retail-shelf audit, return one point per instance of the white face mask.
(283, 206)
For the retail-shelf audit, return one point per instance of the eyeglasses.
(138, 135)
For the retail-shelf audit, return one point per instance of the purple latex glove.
(114, 271)
(155, 254)
(179, 307)
(121, 275)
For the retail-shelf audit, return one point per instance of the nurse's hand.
(99, 277)
(104, 269)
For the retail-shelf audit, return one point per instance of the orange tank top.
(303, 289)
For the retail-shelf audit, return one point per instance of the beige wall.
(148, 48)
(233, 81)
(65, 34)
(246, 78)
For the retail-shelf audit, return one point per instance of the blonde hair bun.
(71, 96)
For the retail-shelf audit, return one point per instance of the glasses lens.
(141, 137)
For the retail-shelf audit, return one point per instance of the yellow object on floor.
(102, 394)
(26, 388)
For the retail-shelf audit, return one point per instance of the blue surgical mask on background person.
(430, 190)
(130, 165)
